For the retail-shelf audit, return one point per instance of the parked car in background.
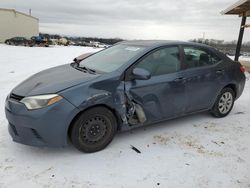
(94, 44)
(129, 85)
(54, 41)
(39, 41)
(71, 43)
(18, 41)
(101, 45)
(63, 41)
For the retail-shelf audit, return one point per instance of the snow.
(241, 58)
(194, 151)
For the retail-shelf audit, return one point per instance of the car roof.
(158, 43)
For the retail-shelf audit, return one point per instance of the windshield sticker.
(134, 49)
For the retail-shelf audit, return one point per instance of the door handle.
(219, 71)
(180, 79)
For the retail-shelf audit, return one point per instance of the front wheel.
(224, 103)
(93, 130)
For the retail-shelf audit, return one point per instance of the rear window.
(196, 57)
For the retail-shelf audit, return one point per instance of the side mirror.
(141, 74)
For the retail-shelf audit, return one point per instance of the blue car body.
(160, 97)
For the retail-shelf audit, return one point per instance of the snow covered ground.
(193, 151)
(241, 58)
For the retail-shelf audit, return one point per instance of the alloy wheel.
(225, 102)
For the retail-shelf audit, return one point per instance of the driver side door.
(163, 96)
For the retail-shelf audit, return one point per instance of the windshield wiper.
(84, 68)
(92, 71)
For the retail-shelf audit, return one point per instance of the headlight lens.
(40, 101)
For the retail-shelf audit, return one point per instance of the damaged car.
(129, 85)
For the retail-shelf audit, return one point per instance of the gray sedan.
(129, 85)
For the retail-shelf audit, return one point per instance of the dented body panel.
(108, 92)
(161, 97)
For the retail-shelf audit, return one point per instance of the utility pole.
(237, 53)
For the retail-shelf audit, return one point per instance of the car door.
(162, 96)
(203, 73)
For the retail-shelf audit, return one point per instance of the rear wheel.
(93, 130)
(224, 103)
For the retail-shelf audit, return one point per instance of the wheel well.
(101, 105)
(233, 87)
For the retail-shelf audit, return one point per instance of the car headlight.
(40, 101)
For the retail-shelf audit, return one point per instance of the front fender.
(109, 93)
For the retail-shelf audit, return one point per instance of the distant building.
(17, 24)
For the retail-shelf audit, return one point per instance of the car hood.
(52, 80)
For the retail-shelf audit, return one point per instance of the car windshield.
(112, 58)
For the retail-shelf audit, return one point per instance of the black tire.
(93, 130)
(217, 108)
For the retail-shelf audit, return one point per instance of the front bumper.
(47, 126)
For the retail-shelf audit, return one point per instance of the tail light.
(242, 68)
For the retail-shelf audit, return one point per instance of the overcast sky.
(134, 19)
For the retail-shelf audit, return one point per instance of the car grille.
(16, 97)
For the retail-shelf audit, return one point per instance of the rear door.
(163, 95)
(203, 73)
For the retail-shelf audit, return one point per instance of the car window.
(196, 57)
(162, 61)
